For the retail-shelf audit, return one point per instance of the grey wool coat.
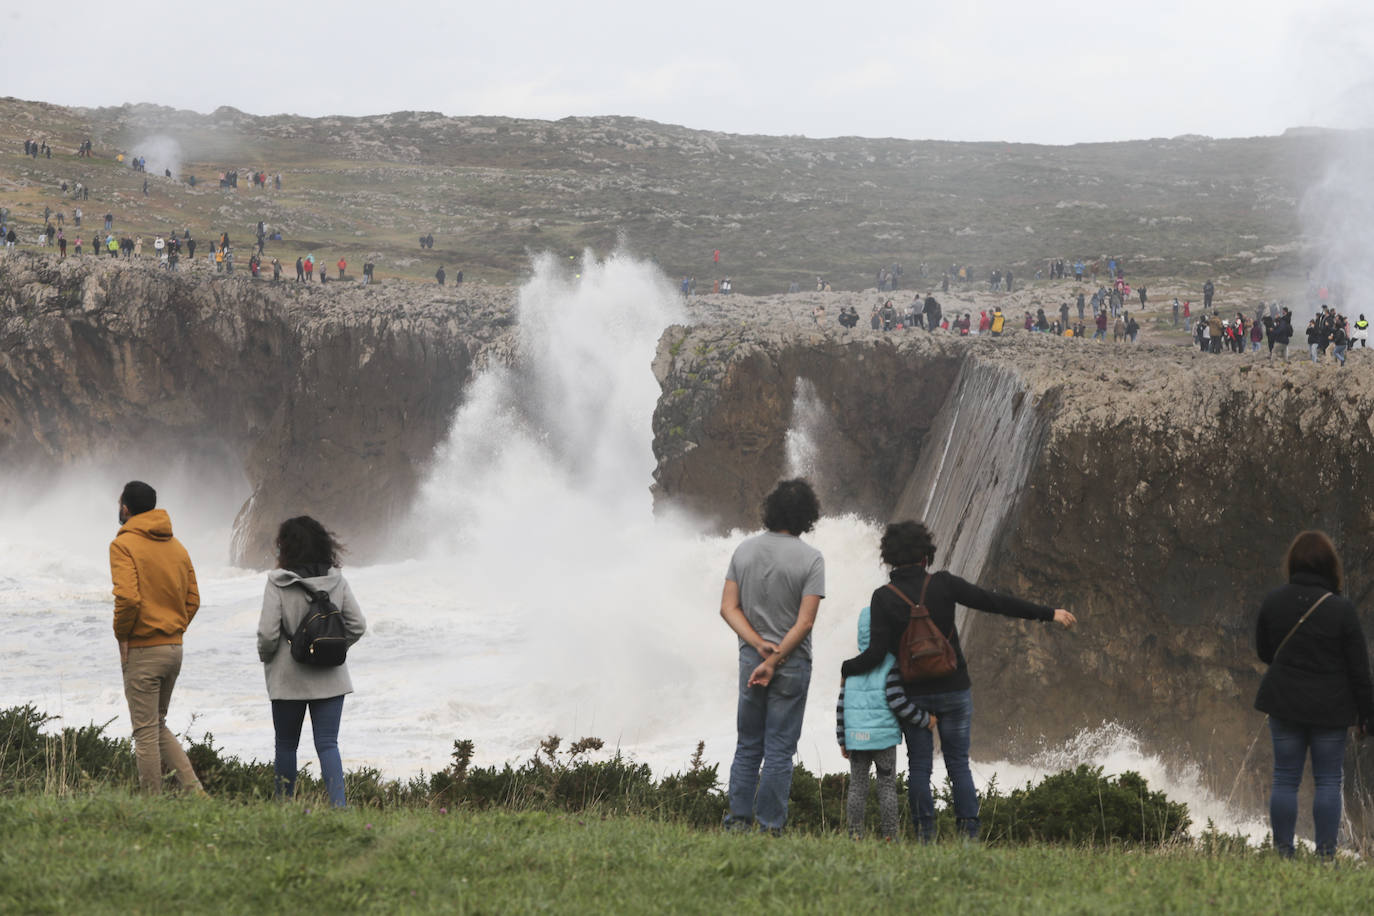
(283, 606)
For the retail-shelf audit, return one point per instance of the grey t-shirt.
(773, 572)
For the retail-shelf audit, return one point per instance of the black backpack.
(321, 638)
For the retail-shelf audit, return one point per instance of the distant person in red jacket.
(342, 265)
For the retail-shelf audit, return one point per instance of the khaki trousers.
(149, 676)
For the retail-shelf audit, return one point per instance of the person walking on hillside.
(1318, 685)
(307, 564)
(300, 270)
(1208, 291)
(342, 265)
(155, 599)
(908, 549)
(440, 276)
(773, 590)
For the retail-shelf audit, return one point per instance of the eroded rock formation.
(332, 398)
(1153, 490)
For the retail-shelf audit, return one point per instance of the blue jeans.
(287, 718)
(769, 724)
(955, 713)
(1291, 745)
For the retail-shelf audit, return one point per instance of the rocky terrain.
(325, 396)
(1151, 488)
(780, 209)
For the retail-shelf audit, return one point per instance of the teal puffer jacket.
(868, 723)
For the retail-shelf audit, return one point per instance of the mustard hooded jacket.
(154, 583)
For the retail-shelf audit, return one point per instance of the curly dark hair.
(791, 507)
(304, 542)
(907, 544)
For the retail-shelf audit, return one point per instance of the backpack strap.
(911, 604)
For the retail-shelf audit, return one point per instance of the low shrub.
(1076, 806)
(1083, 806)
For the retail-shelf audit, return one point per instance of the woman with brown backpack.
(912, 618)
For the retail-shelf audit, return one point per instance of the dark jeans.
(769, 724)
(287, 718)
(955, 713)
(1292, 742)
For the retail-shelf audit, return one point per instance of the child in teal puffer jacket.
(867, 724)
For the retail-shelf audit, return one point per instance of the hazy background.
(1050, 72)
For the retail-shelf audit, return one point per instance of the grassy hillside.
(120, 854)
(780, 209)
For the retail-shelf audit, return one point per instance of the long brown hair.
(1313, 552)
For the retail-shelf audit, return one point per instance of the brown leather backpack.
(923, 653)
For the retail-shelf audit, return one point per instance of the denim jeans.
(1291, 745)
(769, 723)
(287, 718)
(1340, 353)
(955, 713)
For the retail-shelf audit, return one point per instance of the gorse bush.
(70, 759)
(1083, 806)
(1079, 806)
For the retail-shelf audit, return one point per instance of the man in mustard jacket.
(155, 598)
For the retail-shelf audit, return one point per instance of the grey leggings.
(885, 762)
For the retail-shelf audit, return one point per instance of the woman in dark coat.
(908, 549)
(1317, 686)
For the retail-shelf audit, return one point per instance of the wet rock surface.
(1159, 488)
(331, 397)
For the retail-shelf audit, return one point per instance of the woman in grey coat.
(307, 558)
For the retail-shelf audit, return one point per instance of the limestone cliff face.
(332, 398)
(1152, 490)
(728, 392)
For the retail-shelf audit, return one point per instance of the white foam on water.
(541, 595)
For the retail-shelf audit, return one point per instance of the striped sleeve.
(839, 718)
(902, 706)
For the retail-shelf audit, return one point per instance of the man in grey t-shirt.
(773, 589)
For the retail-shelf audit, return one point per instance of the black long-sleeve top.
(1322, 677)
(889, 615)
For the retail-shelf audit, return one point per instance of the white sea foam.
(542, 595)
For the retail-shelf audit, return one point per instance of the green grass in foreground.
(113, 852)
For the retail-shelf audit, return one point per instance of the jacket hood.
(864, 616)
(155, 524)
(285, 578)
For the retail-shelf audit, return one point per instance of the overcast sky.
(1049, 71)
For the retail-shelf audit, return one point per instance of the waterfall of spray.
(800, 443)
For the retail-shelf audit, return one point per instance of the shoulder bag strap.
(1299, 623)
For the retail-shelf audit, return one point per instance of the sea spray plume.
(1337, 216)
(162, 152)
(587, 340)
